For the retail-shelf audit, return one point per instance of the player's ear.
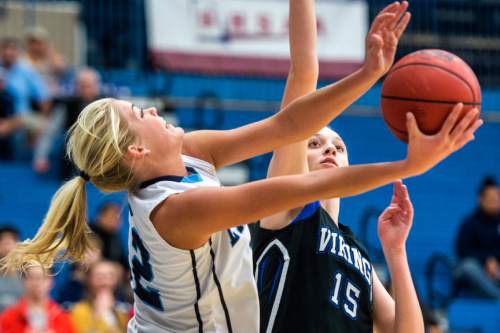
(135, 151)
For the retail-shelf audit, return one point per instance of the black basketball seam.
(429, 100)
(442, 68)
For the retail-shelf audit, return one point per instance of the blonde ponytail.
(63, 234)
(96, 145)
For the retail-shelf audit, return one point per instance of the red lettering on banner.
(238, 24)
(264, 25)
(206, 19)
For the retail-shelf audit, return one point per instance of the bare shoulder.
(171, 221)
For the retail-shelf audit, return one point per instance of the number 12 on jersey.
(345, 295)
(142, 269)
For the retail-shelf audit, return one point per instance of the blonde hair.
(96, 144)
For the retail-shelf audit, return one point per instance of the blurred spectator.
(23, 83)
(26, 87)
(478, 244)
(42, 56)
(74, 288)
(87, 90)
(100, 312)
(35, 312)
(11, 288)
(107, 226)
(6, 111)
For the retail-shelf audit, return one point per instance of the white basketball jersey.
(210, 289)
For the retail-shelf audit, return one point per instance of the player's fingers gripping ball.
(427, 83)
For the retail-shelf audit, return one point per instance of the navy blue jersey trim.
(198, 292)
(307, 211)
(263, 267)
(276, 278)
(219, 288)
(192, 177)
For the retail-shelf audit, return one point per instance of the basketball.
(427, 83)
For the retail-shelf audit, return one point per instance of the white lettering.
(325, 239)
(334, 243)
(346, 249)
(358, 260)
(367, 270)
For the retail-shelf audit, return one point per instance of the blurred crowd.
(94, 296)
(40, 98)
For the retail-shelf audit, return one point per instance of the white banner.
(250, 36)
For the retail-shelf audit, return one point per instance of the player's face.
(151, 130)
(326, 149)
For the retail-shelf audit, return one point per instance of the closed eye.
(141, 110)
(313, 144)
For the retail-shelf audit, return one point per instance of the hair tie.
(84, 175)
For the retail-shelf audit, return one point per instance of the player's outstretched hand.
(383, 37)
(395, 221)
(425, 151)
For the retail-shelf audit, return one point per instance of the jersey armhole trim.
(306, 212)
(157, 235)
(195, 160)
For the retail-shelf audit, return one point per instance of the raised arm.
(187, 220)
(302, 80)
(307, 115)
(401, 313)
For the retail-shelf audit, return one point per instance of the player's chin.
(179, 131)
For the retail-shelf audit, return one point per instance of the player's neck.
(332, 206)
(153, 168)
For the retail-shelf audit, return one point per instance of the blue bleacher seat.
(481, 316)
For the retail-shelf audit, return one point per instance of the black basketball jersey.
(313, 276)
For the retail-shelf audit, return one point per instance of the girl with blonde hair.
(189, 250)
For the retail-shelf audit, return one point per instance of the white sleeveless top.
(210, 289)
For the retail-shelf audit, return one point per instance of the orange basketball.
(427, 83)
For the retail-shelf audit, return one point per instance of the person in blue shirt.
(25, 86)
